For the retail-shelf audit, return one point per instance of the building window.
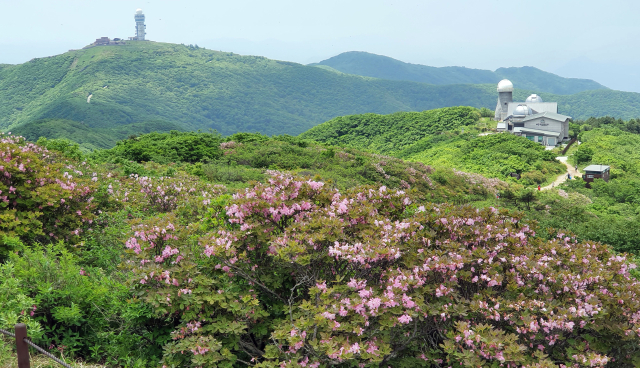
(531, 137)
(540, 139)
(589, 176)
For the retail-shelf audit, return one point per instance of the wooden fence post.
(21, 346)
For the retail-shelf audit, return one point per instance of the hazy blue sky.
(575, 38)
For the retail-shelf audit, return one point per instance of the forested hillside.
(202, 89)
(181, 87)
(528, 78)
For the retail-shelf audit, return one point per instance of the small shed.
(593, 172)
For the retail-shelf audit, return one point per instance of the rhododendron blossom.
(304, 275)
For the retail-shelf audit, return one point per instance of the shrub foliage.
(298, 274)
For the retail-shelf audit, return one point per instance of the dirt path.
(562, 178)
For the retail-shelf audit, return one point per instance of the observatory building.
(140, 27)
(534, 119)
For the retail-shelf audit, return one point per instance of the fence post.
(21, 346)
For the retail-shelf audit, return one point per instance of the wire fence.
(22, 347)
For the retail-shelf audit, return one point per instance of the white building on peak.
(141, 28)
(534, 119)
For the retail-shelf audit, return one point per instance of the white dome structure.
(534, 98)
(522, 111)
(505, 85)
(139, 11)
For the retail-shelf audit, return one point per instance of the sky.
(573, 38)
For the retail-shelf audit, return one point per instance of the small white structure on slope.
(534, 119)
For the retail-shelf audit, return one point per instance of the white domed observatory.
(505, 97)
(534, 98)
(534, 119)
(522, 111)
(140, 26)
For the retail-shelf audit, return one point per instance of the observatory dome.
(139, 11)
(534, 98)
(522, 110)
(505, 85)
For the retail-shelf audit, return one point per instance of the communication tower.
(140, 27)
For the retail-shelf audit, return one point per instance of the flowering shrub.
(39, 195)
(301, 275)
(185, 194)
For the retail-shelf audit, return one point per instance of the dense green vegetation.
(141, 264)
(608, 211)
(445, 137)
(631, 126)
(496, 155)
(245, 157)
(389, 134)
(147, 86)
(527, 78)
(61, 261)
(202, 89)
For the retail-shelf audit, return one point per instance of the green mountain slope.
(202, 89)
(378, 66)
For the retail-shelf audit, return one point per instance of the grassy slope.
(203, 89)
(378, 66)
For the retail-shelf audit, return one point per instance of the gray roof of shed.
(596, 168)
(547, 114)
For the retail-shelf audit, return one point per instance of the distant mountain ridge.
(384, 67)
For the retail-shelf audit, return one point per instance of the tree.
(583, 154)
(527, 196)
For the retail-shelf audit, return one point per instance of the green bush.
(167, 147)
(80, 310)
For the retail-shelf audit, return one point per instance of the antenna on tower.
(140, 26)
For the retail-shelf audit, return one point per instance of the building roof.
(547, 114)
(548, 133)
(596, 168)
